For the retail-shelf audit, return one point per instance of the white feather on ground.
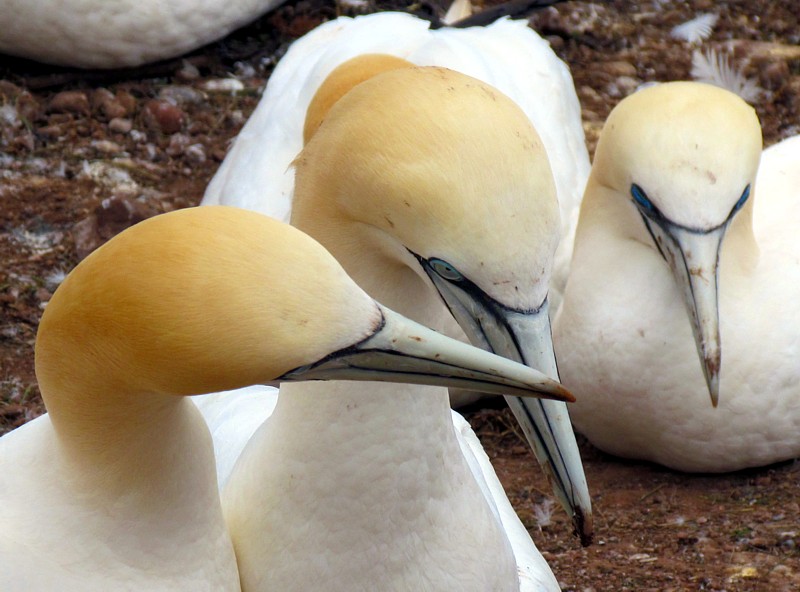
(696, 30)
(715, 68)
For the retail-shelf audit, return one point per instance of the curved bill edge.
(401, 350)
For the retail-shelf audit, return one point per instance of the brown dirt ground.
(76, 168)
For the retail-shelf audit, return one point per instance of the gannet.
(507, 54)
(256, 173)
(673, 223)
(403, 186)
(115, 488)
(123, 33)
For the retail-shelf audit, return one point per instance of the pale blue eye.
(444, 269)
(742, 200)
(641, 199)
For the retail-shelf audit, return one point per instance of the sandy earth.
(85, 154)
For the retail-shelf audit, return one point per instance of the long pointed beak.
(525, 336)
(401, 350)
(693, 257)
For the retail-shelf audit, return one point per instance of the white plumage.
(506, 54)
(693, 150)
(257, 172)
(115, 488)
(121, 33)
(381, 492)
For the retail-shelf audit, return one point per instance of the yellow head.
(692, 148)
(339, 82)
(439, 164)
(147, 312)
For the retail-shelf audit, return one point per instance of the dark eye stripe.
(641, 199)
(742, 200)
(444, 269)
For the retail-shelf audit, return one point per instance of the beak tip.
(714, 392)
(712, 366)
(584, 527)
(565, 395)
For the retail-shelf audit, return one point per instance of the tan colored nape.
(343, 78)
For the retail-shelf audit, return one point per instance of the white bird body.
(226, 412)
(65, 529)
(415, 503)
(623, 337)
(115, 487)
(232, 418)
(122, 33)
(379, 492)
(258, 174)
(534, 573)
(507, 54)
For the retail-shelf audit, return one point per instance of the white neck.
(143, 509)
(363, 486)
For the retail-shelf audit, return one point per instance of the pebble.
(236, 117)
(70, 101)
(187, 72)
(24, 141)
(181, 95)
(50, 131)
(107, 104)
(106, 147)
(759, 542)
(245, 70)
(28, 106)
(783, 570)
(177, 144)
(150, 151)
(10, 116)
(196, 153)
(230, 85)
(127, 100)
(628, 84)
(218, 154)
(109, 175)
(84, 236)
(620, 68)
(556, 42)
(111, 217)
(164, 116)
(744, 49)
(592, 94)
(120, 125)
(787, 540)
(9, 90)
(774, 74)
(138, 136)
(763, 480)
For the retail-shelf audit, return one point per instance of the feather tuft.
(697, 29)
(715, 68)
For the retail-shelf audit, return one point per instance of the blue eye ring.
(445, 270)
(742, 200)
(641, 198)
